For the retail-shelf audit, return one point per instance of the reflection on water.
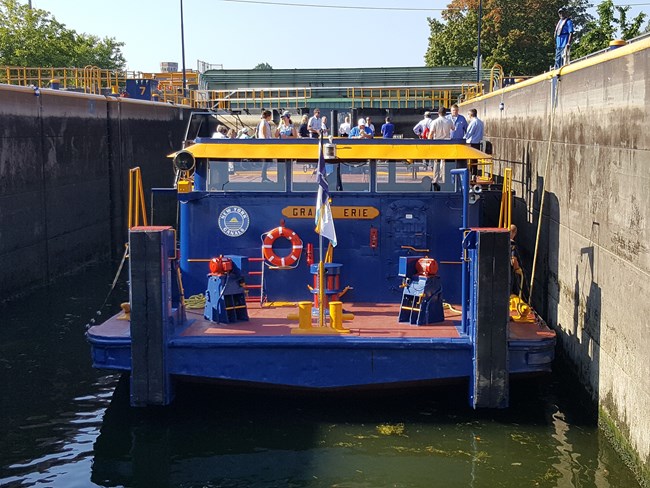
(62, 425)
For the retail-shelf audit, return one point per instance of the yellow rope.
(195, 301)
(449, 307)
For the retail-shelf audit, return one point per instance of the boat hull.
(378, 352)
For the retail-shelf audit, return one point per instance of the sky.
(239, 34)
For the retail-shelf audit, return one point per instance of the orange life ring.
(290, 259)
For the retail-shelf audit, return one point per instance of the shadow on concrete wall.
(582, 338)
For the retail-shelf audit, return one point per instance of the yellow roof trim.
(344, 151)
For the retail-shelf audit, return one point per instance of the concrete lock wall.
(593, 272)
(64, 161)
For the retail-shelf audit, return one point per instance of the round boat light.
(184, 161)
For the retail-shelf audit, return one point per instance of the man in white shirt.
(344, 128)
(370, 126)
(423, 124)
(314, 125)
(440, 130)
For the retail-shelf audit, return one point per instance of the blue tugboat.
(401, 285)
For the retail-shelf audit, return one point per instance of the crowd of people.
(445, 126)
(434, 126)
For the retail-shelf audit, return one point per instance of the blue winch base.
(225, 298)
(422, 302)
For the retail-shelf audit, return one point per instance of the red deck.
(371, 320)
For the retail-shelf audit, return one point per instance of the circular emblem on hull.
(233, 221)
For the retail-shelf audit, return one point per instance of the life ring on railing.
(290, 259)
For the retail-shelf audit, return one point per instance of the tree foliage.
(599, 32)
(32, 37)
(517, 34)
(264, 66)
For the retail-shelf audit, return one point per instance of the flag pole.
(321, 270)
(321, 283)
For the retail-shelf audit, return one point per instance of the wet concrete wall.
(64, 162)
(593, 274)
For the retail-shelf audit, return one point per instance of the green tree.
(32, 37)
(264, 66)
(517, 34)
(599, 32)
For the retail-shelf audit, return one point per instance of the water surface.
(63, 424)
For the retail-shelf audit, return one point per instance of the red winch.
(427, 266)
(220, 266)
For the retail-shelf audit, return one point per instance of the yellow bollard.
(336, 316)
(304, 315)
(304, 318)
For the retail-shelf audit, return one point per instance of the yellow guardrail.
(471, 90)
(89, 79)
(247, 99)
(398, 97)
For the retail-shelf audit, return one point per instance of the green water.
(63, 424)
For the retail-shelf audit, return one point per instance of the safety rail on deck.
(471, 90)
(497, 80)
(496, 77)
(398, 97)
(89, 79)
(173, 81)
(246, 99)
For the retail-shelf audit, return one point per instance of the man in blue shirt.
(473, 137)
(563, 34)
(388, 129)
(360, 131)
(460, 123)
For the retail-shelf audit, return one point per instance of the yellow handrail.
(505, 212)
(136, 199)
(90, 79)
(496, 77)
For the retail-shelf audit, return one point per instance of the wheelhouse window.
(413, 176)
(341, 176)
(247, 175)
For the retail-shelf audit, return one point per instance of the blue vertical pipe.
(464, 180)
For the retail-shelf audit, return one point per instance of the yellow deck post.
(304, 315)
(336, 317)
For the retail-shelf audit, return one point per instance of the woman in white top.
(323, 126)
(264, 132)
(286, 130)
(264, 127)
